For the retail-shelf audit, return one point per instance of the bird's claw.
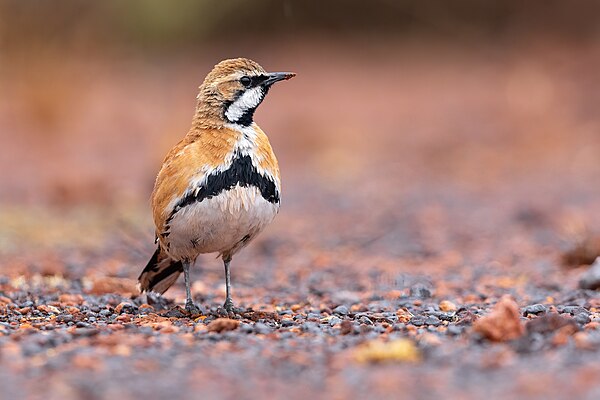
(191, 308)
(228, 306)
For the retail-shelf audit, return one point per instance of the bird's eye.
(245, 81)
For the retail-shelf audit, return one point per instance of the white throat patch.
(247, 101)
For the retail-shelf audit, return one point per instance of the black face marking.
(248, 117)
(253, 80)
(241, 172)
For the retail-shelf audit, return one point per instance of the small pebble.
(447, 305)
(454, 329)
(400, 326)
(346, 327)
(261, 328)
(64, 318)
(341, 310)
(572, 309)
(246, 328)
(534, 309)
(420, 291)
(582, 318)
(311, 327)
(366, 329)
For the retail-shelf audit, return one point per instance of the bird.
(220, 186)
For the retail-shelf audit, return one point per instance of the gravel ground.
(346, 318)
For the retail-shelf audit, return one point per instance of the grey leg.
(228, 301)
(189, 302)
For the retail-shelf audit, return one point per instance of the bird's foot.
(191, 308)
(228, 306)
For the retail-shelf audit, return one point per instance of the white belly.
(223, 223)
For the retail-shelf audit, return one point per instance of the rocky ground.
(458, 300)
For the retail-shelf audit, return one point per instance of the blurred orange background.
(394, 102)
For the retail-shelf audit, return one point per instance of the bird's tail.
(160, 273)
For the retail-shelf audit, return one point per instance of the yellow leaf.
(399, 350)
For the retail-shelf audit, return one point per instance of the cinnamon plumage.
(219, 186)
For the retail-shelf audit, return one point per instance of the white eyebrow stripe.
(250, 99)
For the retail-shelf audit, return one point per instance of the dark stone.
(573, 310)
(582, 318)
(246, 328)
(261, 328)
(341, 310)
(534, 309)
(548, 323)
(311, 327)
(454, 329)
(287, 322)
(399, 327)
(64, 318)
(420, 291)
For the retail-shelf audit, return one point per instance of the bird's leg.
(228, 301)
(189, 303)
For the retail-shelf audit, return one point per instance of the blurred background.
(413, 131)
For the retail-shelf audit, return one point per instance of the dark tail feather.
(160, 273)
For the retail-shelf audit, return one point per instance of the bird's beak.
(273, 77)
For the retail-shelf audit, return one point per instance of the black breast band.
(241, 172)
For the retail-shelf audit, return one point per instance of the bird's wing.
(265, 154)
(186, 165)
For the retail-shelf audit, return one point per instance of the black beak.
(273, 77)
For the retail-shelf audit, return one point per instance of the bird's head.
(233, 90)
